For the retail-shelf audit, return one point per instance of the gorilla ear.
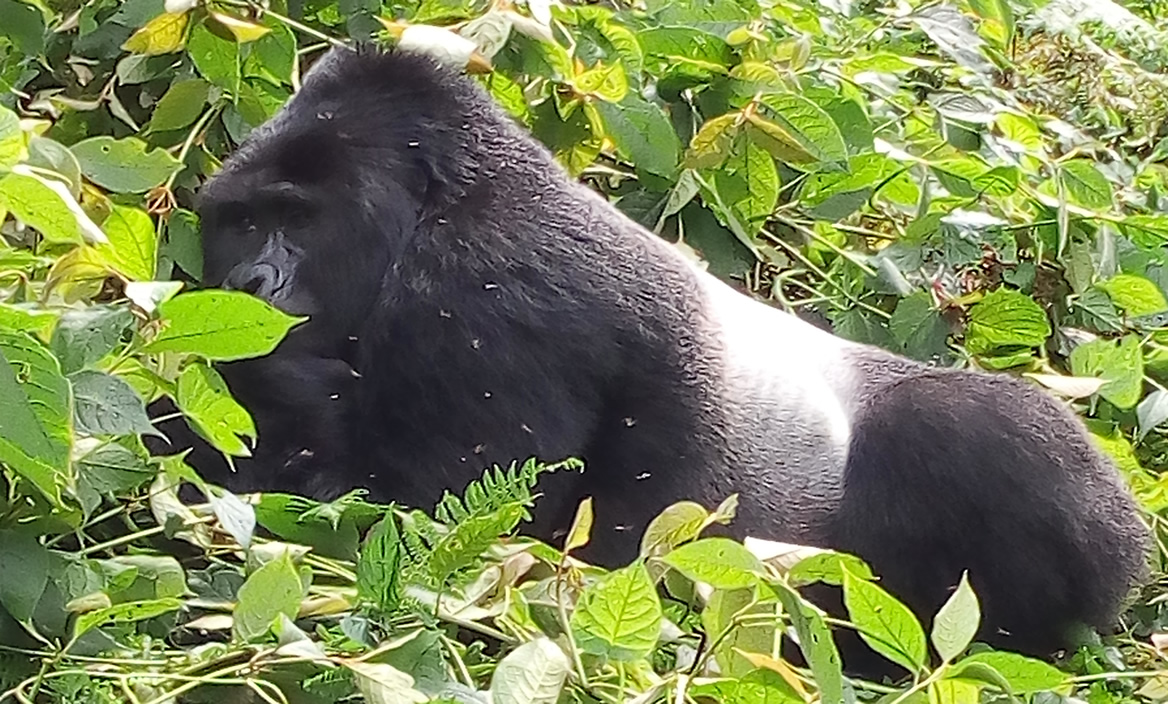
(310, 158)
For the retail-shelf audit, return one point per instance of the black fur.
(472, 305)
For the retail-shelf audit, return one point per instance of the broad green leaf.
(273, 589)
(1024, 675)
(107, 405)
(164, 34)
(778, 141)
(533, 673)
(36, 427)
(720, 562)
(885, 624)
(48, 206)
(1135, 295)
(816, 644)
(12, 147)
(273, 56)
(748, 185)
(677, 524)
(1085, 186)
(619, 616)
(180, 106)
(643, 133)
(828, 567)
(379, 566)
(151, 577)
(1117, 361)
(957, 622)
(712, 143)
(124, 613)
(28, 317)
(808, 125)
(205, 400)
(217, 59)
(1005, 318)
(50, 155)
(380, 683)
(132, 249)
(25, 574)
(85, 335)
(220, 325)
(917, 326)
(508, 94)
(124, 165)
(24, 25)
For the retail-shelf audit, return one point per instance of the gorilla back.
(471, 304)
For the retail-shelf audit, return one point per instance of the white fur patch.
(776, 360)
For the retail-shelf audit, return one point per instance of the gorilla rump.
(471, 304)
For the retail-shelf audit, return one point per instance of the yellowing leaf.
(164, 34)
(712, 144)
(242, 30)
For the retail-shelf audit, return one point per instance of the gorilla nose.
(262, 281)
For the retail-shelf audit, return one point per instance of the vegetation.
(971, 182)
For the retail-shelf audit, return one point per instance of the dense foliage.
(973, 182)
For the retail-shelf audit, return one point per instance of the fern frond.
(498, 487)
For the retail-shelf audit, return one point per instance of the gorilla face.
(295, 230)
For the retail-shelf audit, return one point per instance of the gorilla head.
(471, 304)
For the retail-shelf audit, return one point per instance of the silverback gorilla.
(471, 304)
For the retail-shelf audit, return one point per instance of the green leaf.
(180, 106)
(27, 317)
(712, 143)
(1135, 295)
(124, 613)
(85, 335)
(1085, 186)
(107, 405)
(997, 20)
(816, 644)
(677, 524)
(215, 58)
(273, 56)
(608, 83)
(204, 398)
(273, 589)
(749, 185)
(759, 686)
(36, 429)
(48, 206)
(885, 624)
(533, 673)
(581, 530)
(917, 326)
(619, 615)
(1024, 675)
(24, 25)
(1117, 361)
(720, 562)
(809, 128)
(379, 566)
(25, 574)
(1005, 318)
(12, 149)
(124, 165)
(164, 34)
(221, 325)
(1152, 411)
(468, 538)
(642, 132)
(755, 636)
(132, 249)
(957, 622)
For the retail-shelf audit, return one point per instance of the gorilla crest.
(471, 304)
